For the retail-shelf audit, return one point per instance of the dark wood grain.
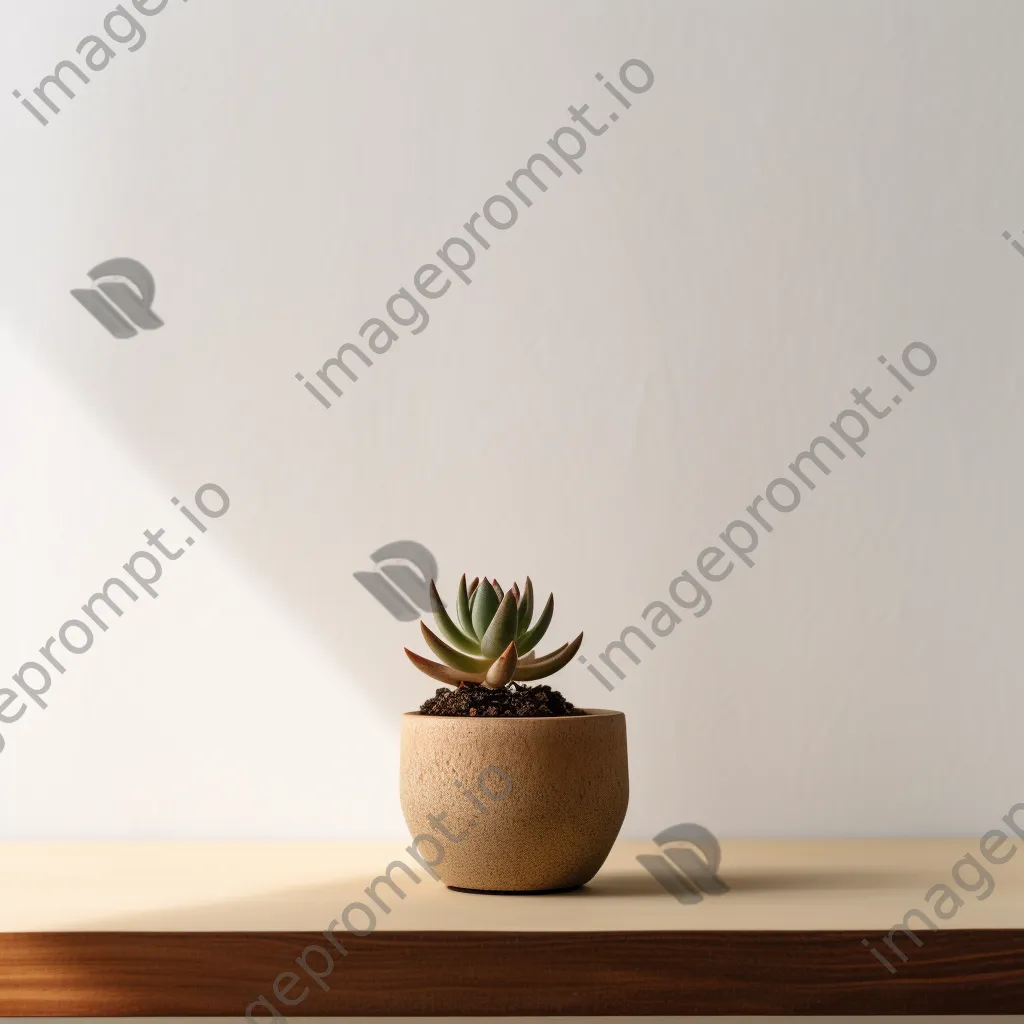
(490, 974)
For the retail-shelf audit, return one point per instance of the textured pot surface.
(518, 804)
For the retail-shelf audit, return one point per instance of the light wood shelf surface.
(191, 929)
(791, 885)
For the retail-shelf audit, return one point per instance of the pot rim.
(590, 713)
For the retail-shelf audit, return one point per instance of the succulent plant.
(494, 640)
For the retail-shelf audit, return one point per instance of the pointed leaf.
(497, 589)
(442, 673)
(501, 671)
(533, 636)
(451, 657)
(472, 587)
(447, 628)
(526, 607)
(484, 607)
(502, 630)
(549, 664)
(462, 609)
(533, 659)
(515, 592)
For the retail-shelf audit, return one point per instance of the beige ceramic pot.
(515, 804)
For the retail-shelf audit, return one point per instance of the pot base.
(556, 792)
(514, 892)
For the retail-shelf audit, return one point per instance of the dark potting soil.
(511, 701)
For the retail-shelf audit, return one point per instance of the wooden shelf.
(99, 929)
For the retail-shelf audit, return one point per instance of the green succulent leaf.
(442, 673)
(494, 640)
(502, 630)
(539, 668)
(485, 605)
(462, 609)
(451, 657)
(447, 628)
(501, 671)
(533, 636)
(526, 606)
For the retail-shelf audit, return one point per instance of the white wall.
(805, 187)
